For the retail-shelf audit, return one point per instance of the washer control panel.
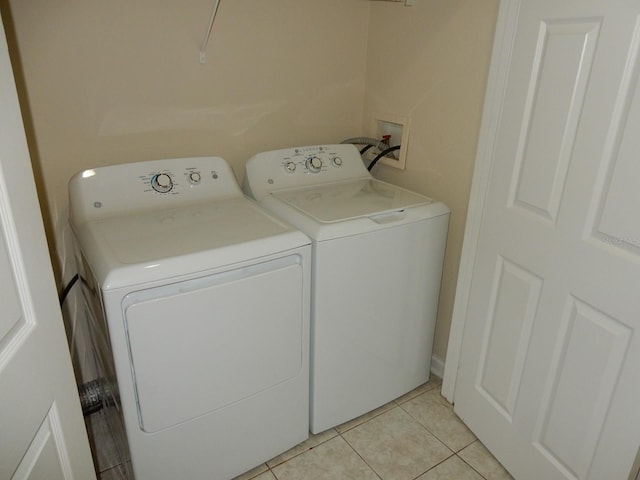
(302, 166)
(310, 160)
(153, 184)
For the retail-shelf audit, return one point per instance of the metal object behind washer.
(206, 301)
(377, 263)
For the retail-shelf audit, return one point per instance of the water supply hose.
(383, 153)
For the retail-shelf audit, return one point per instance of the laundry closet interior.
(112, 83)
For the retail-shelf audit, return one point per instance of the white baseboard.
(437, 366)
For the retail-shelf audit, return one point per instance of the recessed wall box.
(397, 127)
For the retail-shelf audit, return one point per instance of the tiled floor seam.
(416, 393)
(399, 405)
(427, 388)
(340, 432)
(470, 443)
(358, 453)
(471, 466)
(271, 467)
(104, 472)
(437, 465)
(432, 433)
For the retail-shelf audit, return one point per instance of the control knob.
(162, 183)
(194, 178)
(337, 161)
(314, 164)
(290, 167)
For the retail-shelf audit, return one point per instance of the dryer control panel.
(302, 167)
(178, 181)
(133, 187)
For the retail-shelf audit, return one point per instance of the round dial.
(290, 167)
(314, 164)
(162, 183)
(337, 161)
(194, 178)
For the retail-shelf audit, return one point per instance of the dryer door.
(200, 345)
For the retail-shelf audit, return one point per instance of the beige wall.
(120, 81)
(430, 63)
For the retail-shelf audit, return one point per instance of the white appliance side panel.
(199, 346)
(376, 298)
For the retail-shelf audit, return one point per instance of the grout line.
(102, 472)
(270, 470)
(471, 466)
(361, 457)
(452, 452)
(429, 385)
(302, 452)
(433, 433)
(437, 464)
(391, 404)
(455, 451)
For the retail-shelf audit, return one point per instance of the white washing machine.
(206, 301)
(377, 264)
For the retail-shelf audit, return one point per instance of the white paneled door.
(42, 435)
(549, 365)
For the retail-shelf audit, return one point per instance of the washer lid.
(130, 249)
(336, 202)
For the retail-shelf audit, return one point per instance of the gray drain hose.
(95, 395)
(374, 142)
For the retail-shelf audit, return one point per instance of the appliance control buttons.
(194, 178)
(162, 183)
(337, 161)
(314, 164)
(290, 167)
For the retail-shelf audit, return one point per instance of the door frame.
(491, 116)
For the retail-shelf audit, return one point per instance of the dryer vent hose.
(95, 395)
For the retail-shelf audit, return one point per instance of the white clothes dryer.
(205, 298)
(377, 263)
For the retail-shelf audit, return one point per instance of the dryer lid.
(130, 249)
(167, 233)
(336, 202)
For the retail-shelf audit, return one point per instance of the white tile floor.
(416, 437)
